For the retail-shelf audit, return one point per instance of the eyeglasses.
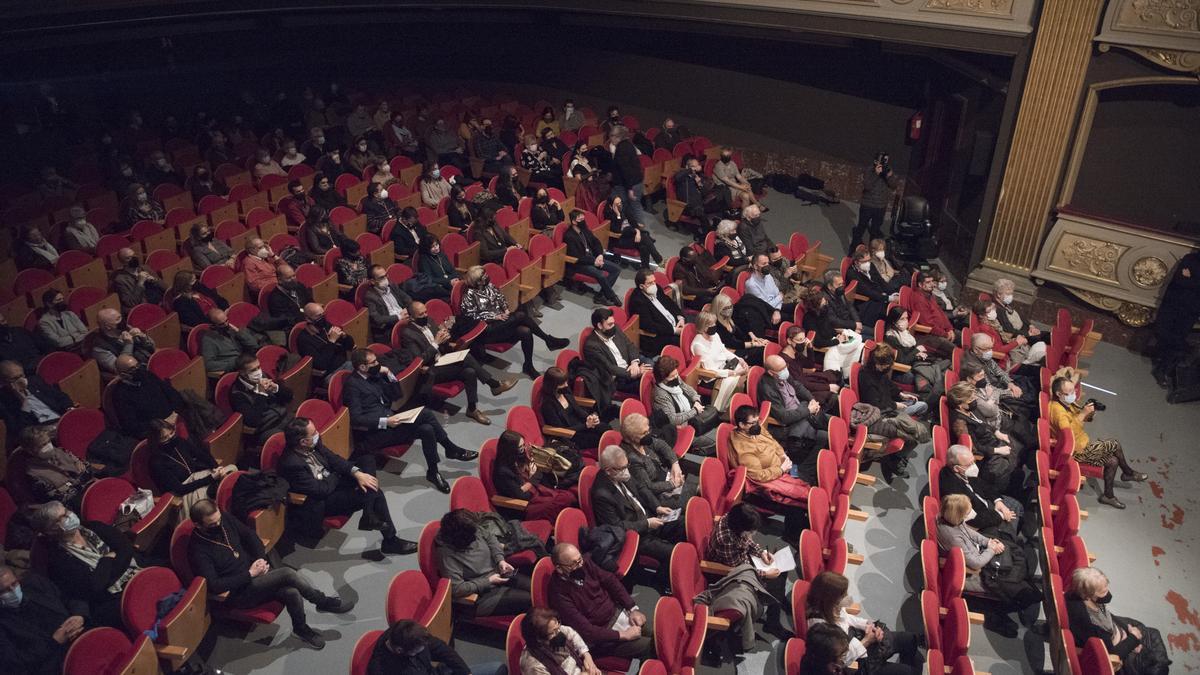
(572, 565)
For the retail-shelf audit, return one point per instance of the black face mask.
(982, 384)
(755, 221)
(755, 430)
(563, 389)
(711, 330)
(212, 530)
(374, 370)
(61, 306)
(208, 237)
(726, 160)
(1105, 599)
(421, 320)
(673, 382)
(321, 323)
(646, 440)
(607, 332)
(972, 405)
(558, 641)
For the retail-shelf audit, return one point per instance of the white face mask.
(942, 285)
(1006, 299)
(865, 267)
(991, 315)
(880, 254)
(986, 355)
(316, 438)
(902, 325)
(970, 516)
(652, 291)
(255, 375)
(1069, 398)
(972, 472)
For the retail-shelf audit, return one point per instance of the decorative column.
(1048, 108)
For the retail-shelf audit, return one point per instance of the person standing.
(878, 183)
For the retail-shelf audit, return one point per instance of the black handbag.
(706, 420)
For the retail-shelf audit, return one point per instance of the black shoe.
(394, 545)
(1112, 501)
(1001, 624)
(334, 605)
(461, 454)
(438, 482)
(369, 522)
(309, 636)
(556, 343)
(530, 371)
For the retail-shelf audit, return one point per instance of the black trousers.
(518, 327)
(468, 371)
(425, 429)
(283, 584)
(869, 218)
(514, 596)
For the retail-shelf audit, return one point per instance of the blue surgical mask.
(783, 374)
(1069, 398)
(11, 599)
(987, 354)
(70, 523)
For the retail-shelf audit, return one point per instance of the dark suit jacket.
(25, 647)
(877, 388)
(768, 390)
(652, 321)
(77, 580)
(869, 284)
(582, 245)
(493, 243)
(281, 306)
(10, 406)
(253, 407)
(368, 399)
(986, 516)
(598, 355)
(610, 507)
(414, 345)
(326, 355)
(405, 246)
(155, 399)
(377, 309)
(295, 471)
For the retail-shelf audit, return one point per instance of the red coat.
(930, 313)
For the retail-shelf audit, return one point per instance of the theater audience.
(958, 314)
(558, 408)
(223, 343)
(27, 400)
(378, 208)
(53, 473)
(327, 344)
(929, 308)
(572, 119)
(552, 648)
(1015, 348)
(876, 387)
(826, 649)
(927, 365)
(727, 172)
(745, 344)
(770, 473)
(588, 259)
(677, 402)
(509, 189)
(34, 251)
(1088, 616)
(762, 285)
(980, 355)
(669, 135)
(482, 301)
(802, 422)
(140, 396)
(407, 234)
(333, 486)
(182, 466)
(661, 319)
(1067, 415)
(797, 354)
(626, 169)
(653, 463)
(113, 338)
(193, 300)
(265, 165)
(698, 282)
(324, 194)
(541, 166)
(317, 235)
(473, 560)
(494, 241)
(258, 265)
(206, 249)
(407, 647)
(459, 210)
(369, 392)
(993, 511)
(434, 270)
(515, 475)
(286, 302)
(592, 600)
(545, 212)
(612, 356)
(38, 623)
(79, 234)
(89, 561)
(132, 283)
(387, 303)
(1000, 458)
(619, 500)
(230, 557)
(58, 326)
(713, 356)
(296, 204)
(262, 402)
(139, 206)
(869, 285)
(827, 601)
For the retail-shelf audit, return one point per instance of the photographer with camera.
(1105, 452)
(878, 183)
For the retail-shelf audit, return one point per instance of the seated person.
(1087, 612)
(383, 173)
(708, 348)
(459, 210)
(387, 303)
(797, 353)
(258, 265)
(261, 401)
(1021, 432)
(697, 281)
(802, 422)
(325, 194)
(658, 314)
(993, 511)
(28, 400)
(89, 561)
(844, 315)
(516, 476)
(182, 466)
(999, 459)
(351, 268)
(1010, 320)
(407, 647)
(770, 473)
(613, 357)
(286, 302)
(928, 367)
(876, 387)
(732, 543)
(434, 188)
(408, 232)
(421, 340)
(327, 344)
(1016, 346)
(140, 397)
(360, 156)
(743, 343)
(929, 310)
(17, 344)
(38, 623)
(703, 197)
(230, 557)
(113, 338)
(827, 601)
(296, 205)
(334, 486)
(870, 286)
(80, 234)
(265, 165)
(202, 184)
(728, 244)
(558, 408)
(957, 314)
(34, 251)
(753, 231)
(552, 648)
(193, 300)
(820, 321)
(763, 286)
(139, 206)
(727, 172)
(653, 463)
(318, 235)
(1015, 396)
(446, 147)
(545, 212)
(1066, 413)
(223, 343)
(53, 473)
(482, 301)
(591, 600)
(553, 145)
(677, 402)
(509, 189)
(434, 269)
(588, 254)
(890, 273)
(369, 393)
(541, 166)
(826, 649)
(377, 208)
(619, 500)
(978, 551)
(132, 283)
(494, 241)
(490, 148)
(206, 249)
(473, 560)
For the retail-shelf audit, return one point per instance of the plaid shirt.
(726, 548)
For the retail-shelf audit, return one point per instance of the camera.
(882, 159)
(1100, 407)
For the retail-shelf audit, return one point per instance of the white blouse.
(712, 354)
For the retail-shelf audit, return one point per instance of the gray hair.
(830, 275)
(956, 455)
(609, 456)
(979, 340)
(1085, 581)
(726, 228)
(1002, 285)
(44, 517)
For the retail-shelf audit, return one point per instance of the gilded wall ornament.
(1133, 314)
(1097, 258)
(1176, 15)
(999, 7)
(1149, 272)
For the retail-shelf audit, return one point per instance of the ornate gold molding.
(1149, 272)
(1076, 254)
(1161, 15)
(1130, 313)
(1174, 59)
(988, 7)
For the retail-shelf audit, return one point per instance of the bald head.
(959, 455)
(417, 309)
(125, 255)
(126, 363)
(313, 311)
(11, 371)
(751, 212)
(981, 342)
(285, 273)
(775, 363)
(565, 553)
(217, 317)
(108, 319)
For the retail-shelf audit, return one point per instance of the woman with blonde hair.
(745, 345)
(730, 369)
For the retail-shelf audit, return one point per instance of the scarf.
(46, 250)
(736, 246)
(92, 551)
(87, 236)
(681, 400)
(884, 268)
(905, 338)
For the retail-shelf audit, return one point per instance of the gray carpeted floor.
(1147, 550)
